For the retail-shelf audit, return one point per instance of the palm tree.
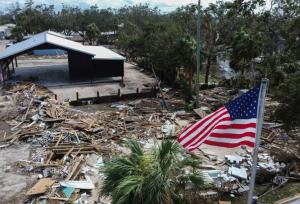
(158, 176)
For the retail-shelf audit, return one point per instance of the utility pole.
(198, 55)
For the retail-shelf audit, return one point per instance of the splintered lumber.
(45, 165)
(19, 135)
(14, 128)
(76, 168)
(15, 136)
(51, 155)
(25, 116)
(66, 149)
(41, 186)
(59, 198)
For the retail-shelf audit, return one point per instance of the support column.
(13, 65)
(16, 61)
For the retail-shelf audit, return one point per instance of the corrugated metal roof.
(50, 37)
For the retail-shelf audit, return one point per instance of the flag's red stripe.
(232, 136)
(228, 145)
(196, 139)
(208, 128)
(236, 126)
(200, 123)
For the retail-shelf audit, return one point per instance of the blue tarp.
(68, 191)
(49, 52)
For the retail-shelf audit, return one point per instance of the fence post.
(77, 97)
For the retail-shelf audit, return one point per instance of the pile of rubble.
(38, 118)
(65, 138)
(278, 159)
(232, 175)
(70, 144)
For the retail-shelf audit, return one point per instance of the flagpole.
(260, 120)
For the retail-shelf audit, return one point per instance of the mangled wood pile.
(39, 118)
(64, 137)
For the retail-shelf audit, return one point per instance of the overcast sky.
(164, 5)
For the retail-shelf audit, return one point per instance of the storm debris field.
(67, 147)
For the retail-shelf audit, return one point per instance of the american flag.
(230, 126)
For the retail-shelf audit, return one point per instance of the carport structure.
(85, 62)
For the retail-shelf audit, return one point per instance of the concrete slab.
(133, 79)
(53, 73)
(12, 185)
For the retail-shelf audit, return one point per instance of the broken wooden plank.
(58, 198)
(75, 168)
(41, 186)
(25, 115)
(52, 153)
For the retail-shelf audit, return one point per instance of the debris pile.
(64, 138)
(278, 159)
(42, 120)
(213, 99)
(70, 144)
(233, 174)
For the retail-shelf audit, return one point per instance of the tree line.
(258, 41)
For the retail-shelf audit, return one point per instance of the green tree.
(288, 94)
(210, 35)
(245, 47)
(151, 177)
(17, 33)
(70, 19)
(92, 33)
(186, 58)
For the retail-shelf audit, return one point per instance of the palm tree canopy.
(150, 177)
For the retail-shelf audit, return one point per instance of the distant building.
(5, 31)
(77, 36)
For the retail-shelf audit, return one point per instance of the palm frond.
(135, 147)
(129, 189)
(167, 154)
